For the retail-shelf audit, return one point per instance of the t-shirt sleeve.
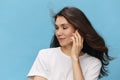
(93, 70)
(39, 68)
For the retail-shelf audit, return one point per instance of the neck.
(66, 49)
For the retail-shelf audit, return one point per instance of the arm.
(75, 53)
(39, 78)
(77, 72)
(39, 70)
(94, 67)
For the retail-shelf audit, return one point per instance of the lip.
(61, 39)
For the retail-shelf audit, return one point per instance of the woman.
(77, 51)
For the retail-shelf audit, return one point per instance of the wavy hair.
(93, 43)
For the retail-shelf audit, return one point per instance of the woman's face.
(64, 31)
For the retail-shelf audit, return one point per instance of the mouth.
(61, 39)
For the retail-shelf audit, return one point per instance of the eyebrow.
(61, 24)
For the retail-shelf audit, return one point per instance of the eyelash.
(64, 27)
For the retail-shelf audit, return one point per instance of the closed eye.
(64, 26)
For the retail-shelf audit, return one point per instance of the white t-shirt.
(53, 64)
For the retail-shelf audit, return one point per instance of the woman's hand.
(75, 53)
(77, 45)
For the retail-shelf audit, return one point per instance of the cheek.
(69, 33)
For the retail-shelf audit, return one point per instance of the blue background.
(26, 26)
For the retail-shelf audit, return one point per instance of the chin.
(64, 44)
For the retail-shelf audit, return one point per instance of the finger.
(80, 38)
(76, 40)
(73, 40)
(78, 35)
(82, 41)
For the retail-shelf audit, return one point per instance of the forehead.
(61, 20)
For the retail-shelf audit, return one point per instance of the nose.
(59, 32)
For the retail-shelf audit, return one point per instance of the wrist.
(75, 59)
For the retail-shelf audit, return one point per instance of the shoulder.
(47, 51)
(91, 67)
(46, 54)
(90, 60)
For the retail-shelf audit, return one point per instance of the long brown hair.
(93, 43)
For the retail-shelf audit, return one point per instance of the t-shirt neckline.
(67, 55)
